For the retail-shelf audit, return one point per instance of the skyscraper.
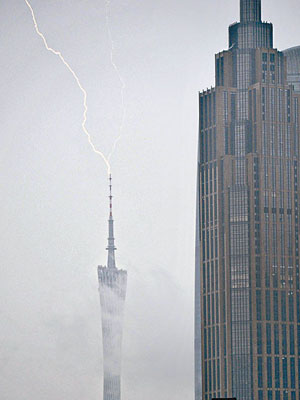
(247, 289)
(112, 288)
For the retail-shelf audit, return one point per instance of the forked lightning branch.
(57, 53)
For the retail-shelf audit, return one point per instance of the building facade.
(247, 288)
(293, 66)
(112, 289)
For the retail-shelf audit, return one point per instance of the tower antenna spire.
(111, 262)
(110, 195)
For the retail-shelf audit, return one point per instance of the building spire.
(111, 263)
(250, 10)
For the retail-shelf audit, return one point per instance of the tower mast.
(111, 262)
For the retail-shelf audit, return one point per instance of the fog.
(54, 189)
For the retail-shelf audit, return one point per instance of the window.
(208, 309)
(284, 373)
(277, 373)
(263, 104)
(268, 306)
(298, 340)
(258, 305)
(209, 376)
(214, 375)
(259, 372)
(275, 305)
(272, 115)
(213, 309)
(225, 341)
(217, 71)
(207, 236)
(208, 276)
(209, 342)
(259, 338)
(213, 342)
(291, 307)
(205, 343)
(233, 106)
(257, 263)
(218, 342)
(205, 376)
(298, 307)
(284, 340)
(225, 373)
(299, 370)
(293, 376)
(288, 105)
(283, 306)
(269, 372)
(276, 338)
(292, 340)
(269, 337)
(218, 374)
(270, 395)
(222, 71)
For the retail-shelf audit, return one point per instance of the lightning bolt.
(122, 82)
(84, 93)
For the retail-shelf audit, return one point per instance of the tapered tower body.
(112, 289)
(247, 299)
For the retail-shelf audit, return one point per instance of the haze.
(54, 204)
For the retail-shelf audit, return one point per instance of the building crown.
(250, 10)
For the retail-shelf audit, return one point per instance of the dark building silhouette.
(247, 294)
(112, 288)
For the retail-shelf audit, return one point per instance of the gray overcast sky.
(54, 188)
